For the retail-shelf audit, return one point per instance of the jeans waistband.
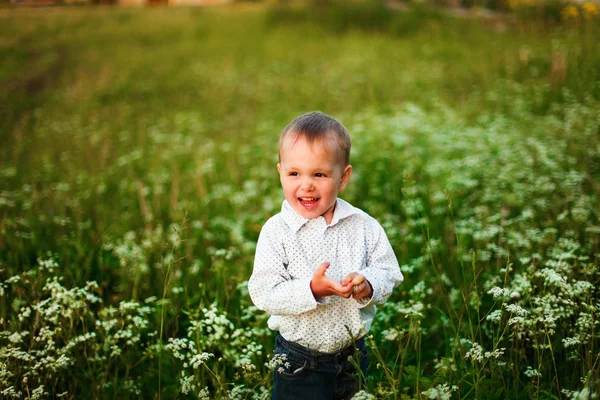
(318, 356)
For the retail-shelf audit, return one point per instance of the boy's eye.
(320, 175)
(293, 174)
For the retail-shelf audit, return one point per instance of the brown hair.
(315, 126)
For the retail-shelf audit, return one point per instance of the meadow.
(137, 166)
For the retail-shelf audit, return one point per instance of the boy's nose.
(307, 184)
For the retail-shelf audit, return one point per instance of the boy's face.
(311, 176)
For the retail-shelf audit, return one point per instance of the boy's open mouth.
(308, 202)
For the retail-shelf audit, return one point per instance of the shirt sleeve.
(271, 287)
(382, 269)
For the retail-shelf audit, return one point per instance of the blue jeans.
(307, 374)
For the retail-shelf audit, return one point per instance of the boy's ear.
(345, 177)
(279, 167)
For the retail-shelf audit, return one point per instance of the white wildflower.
(245, 364)
(390, 334)
(238, 393)
(261, 393)
(38, 393)
(516, 321)
(12, 279)
(515, 309)
(200, 359)
(494, 316)
(570, 341)
(11, 392)
(17, 337)
(5, 374)
(181, 347)
(532, 373)
(418, 288)
(277, 361)
(48, 265)
(584, 394)
(363, 395)
(445, 365)
(440, 392)
(24, 313)
(495, 353)
(475, 354)
(568, 393)
(551, 277)
(204, 394)
(187, 383)
(498, 292)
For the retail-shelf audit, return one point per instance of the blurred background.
(138, 144)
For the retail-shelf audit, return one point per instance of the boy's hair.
(315, 126)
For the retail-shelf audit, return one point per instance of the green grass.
(138, 151)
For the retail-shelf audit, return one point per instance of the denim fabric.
(310, 375)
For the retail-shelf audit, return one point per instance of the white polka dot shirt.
(290, 248)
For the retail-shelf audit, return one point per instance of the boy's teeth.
(309, 203)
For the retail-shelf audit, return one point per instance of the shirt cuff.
(362, 303)
(322, 300)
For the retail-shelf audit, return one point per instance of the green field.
(137, 166)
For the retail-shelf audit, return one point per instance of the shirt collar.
(295, 221)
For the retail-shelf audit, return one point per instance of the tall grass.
(138, 164)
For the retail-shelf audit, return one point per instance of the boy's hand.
(322, 285)
(361, 288)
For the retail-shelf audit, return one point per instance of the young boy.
(321, 265)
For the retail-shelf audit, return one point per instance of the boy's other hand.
(361, 287)
(322, 285)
